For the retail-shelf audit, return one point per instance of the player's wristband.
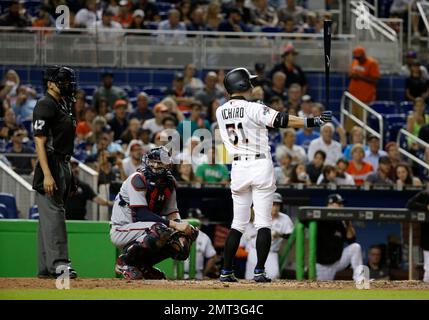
(309, 123)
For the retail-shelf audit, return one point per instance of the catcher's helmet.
(64, 78)
(238, 80)
(157, 162)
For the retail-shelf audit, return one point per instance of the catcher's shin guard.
(148, 246)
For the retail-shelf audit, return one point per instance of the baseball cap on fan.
(335, 198)
(289, 48)
(138, 13)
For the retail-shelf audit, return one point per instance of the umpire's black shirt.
(55, 120)
(331, 236)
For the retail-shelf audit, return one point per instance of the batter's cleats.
(126, 271)
(260, 276)
(152, 273)
(227, 276)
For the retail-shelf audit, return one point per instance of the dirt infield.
(33, 283)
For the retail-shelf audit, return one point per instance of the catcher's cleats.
(152, 273)
(227, 276)
(126, 271)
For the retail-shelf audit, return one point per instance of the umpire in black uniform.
(54, 128)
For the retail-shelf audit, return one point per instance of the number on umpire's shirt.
(38, 124)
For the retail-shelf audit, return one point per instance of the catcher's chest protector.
(158, 192)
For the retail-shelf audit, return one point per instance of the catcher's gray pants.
(52, 234)
(125, 234)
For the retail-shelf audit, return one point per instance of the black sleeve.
(145, 215)
(419, 202)
(43, 114)
(89, 193)
(281, 120)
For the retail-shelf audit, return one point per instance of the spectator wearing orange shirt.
(124, 16)
(358, 168)
(364, 74)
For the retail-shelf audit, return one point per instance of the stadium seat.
(405, 107)
(89, 89)
(384, 107)
(3, 211)
(33, 213)
(271, 29)
(155, 91)
(9, 201)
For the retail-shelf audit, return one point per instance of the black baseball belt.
(247, 157)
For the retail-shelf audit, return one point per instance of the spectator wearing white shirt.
(204, 250)
(192, 154)
(86, 17)
(282, 227)
(343, 178)
(373, 153)
(296, 152)
(326, 143)
(107, 30)
(410, 59)
(134, 157)
(155, 124)
(173, 23)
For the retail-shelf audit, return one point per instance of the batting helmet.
(238, 80)
(64, 78)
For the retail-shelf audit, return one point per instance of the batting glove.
(325, 117)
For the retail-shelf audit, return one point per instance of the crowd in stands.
(195, 15)
(113, 133)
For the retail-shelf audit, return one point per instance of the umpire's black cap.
(335, 198)
(238, 80)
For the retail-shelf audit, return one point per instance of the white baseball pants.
(252, 181)
(352, 254)
(426, 265)
(271, 265)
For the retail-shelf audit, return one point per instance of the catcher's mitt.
(179, 244)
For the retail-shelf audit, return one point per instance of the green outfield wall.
(90, 249)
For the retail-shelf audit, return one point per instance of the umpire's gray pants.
(52, 234)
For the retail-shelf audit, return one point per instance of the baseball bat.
(327, 24)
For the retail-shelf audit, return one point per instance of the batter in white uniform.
(281, 229)
(242, 126)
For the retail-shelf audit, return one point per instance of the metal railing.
(420, 142)
(381, 41)
(13, 183)
(90, 176)
(423, 13)
(347, 101)
(166, 49)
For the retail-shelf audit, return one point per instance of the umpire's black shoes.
(227, 276)
(261, 276)
(72, 274)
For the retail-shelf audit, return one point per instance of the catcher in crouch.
(145, 221)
